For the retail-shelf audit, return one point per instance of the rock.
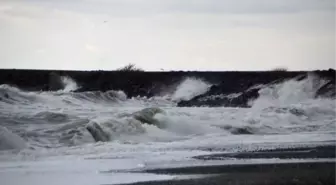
(327, 90)
(151, 84)
(222, 94)
(239, 100)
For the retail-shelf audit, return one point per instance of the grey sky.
(168, 34)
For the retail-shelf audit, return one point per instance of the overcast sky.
(167, 34)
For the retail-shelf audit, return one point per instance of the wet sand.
(296, 173)
(313, 173)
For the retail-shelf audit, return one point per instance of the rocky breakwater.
(234, 89)
(133, 83)
(238, 92)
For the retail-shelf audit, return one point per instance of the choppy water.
(43, 138)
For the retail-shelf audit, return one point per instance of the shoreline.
(282, 173)
(319, 173)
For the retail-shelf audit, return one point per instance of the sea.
(44, 139)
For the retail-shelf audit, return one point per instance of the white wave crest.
(288, 93)
(8, 87)
(189, 88)
(12, 95)
(9, 140)
(69, 84)
(117, 129)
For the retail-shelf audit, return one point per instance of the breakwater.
(139, 83)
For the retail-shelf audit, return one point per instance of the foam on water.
(69, 84)
(189, 88)
(290, 92)
(51, 126)
(284, 108)
(10, 141)
(13, 95)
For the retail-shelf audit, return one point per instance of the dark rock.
(157, 83)
(327, 90)
(219, 95)
(331, 70)
(222, 100)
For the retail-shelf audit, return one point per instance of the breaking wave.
(98, 96)
(58, 119)
(277, 93)
(289, 92)
(69, 84)
(189, 88)
(10, 141)
(9, 94)
(12, 95)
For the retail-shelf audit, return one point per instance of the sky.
(155, 35)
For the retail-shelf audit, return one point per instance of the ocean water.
(43, 136)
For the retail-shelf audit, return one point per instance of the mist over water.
(189, 88)
(289, 93)
(45, 125)
(69, 84)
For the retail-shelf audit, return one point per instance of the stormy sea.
(62, 128)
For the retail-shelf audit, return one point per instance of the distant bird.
(105, 21)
